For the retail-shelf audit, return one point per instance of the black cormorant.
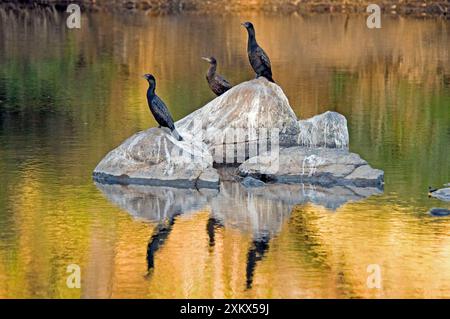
(216, 82)
(158, 108)
(259, 60)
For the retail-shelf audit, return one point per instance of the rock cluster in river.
(251, 125)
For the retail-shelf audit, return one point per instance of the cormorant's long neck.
(151, 90)
(211, 71)
(251, 39)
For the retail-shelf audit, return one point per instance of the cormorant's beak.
(206, 59)
(145, 77)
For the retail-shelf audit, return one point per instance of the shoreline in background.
(157, 7)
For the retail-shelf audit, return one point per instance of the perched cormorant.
(216, 82)
(158, 108)
(259, 60)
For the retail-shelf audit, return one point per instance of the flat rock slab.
(319, 166)
(155, 157)
(442, 194)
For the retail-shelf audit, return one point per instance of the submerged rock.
(252, 182)
(442, 194)
(324, 130)
(155, 157)
(249, 112)
(440, 212)
(318, 166)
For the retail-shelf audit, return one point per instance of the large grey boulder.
(442, 194)
(324, 130)
(318, 166)
(250, 112)
(155, 157)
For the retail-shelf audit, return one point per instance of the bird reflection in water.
(158, 239)
(211, 226)
(256, 253)
(257, 250)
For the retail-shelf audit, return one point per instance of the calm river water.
(67, 97)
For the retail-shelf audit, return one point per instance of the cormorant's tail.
(177, 135)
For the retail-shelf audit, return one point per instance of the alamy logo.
(259, 146)
(374, 20)
(374, 279)
(74, 279)
(74, 19)
(232, 146)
